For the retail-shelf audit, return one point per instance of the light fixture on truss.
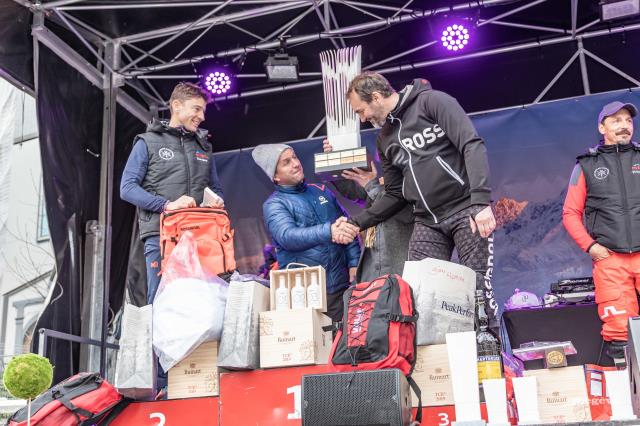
(280, 67)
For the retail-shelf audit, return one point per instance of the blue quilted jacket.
(299, 219)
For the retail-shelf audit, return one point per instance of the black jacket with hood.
(431, 156)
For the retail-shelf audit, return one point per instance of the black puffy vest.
(178, 165)
(612, 209)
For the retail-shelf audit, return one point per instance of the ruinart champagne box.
(432, 375)
(294, 337)
(562, 395)
(289, 276)
(196, 375)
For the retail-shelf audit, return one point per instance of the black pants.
(437, 241)
(335, 306)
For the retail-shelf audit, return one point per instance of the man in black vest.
(168, 169)
(605, 186)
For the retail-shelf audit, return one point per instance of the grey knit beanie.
(267, 155)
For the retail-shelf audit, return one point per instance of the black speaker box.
(363, 398)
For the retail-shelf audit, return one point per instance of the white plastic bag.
(187, 310)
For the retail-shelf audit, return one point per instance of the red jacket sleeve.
(574, 208)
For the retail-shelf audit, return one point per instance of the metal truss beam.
(218, 20)
(91, 73)
(337, 32)
(424, 64)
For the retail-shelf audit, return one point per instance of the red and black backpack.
(83, 399)
(378, 328)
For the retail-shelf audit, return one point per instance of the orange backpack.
(212, 230)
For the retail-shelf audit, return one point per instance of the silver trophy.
(339, 67)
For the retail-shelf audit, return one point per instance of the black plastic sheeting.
(70, 123)
(16, 46)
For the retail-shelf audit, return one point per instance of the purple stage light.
(455, 37)
(217, 82)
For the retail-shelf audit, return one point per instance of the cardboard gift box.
(290, 277)
(562, 395)
(294, 337)
(432, 375)
(196, 375)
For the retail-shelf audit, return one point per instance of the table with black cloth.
(578, 323)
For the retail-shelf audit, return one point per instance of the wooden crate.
(562, 395)
(294, 337)
(290, 276)
(196, 375)
(433, 376)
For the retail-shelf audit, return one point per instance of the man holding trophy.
(433, 159)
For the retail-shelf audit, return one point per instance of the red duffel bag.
(83, 399)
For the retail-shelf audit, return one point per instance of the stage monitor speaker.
(633, 362)
(363, 398)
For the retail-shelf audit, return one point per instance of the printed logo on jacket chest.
(322, 199)
(421, 139)
(635, 169)
(165, 153)
(202, 156)
(601, 173)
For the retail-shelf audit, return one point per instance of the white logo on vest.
(601, 173)
(165, 153)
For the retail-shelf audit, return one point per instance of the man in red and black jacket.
(605, 186)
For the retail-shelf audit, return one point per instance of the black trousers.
(437, 241)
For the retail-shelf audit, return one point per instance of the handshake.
(342, 232)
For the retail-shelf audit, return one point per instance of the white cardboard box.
(294, 337)
(196, 375)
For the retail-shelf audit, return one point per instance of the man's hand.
(343, 232)
(181, 203)
(484, 222)
(352, 274)
(326, 146)
(599, 252)
(361, 177)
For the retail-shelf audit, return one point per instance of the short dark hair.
(367, 83)
(184, 91)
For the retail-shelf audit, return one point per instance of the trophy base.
(330, 165)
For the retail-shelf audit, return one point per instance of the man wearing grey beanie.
(307, 223)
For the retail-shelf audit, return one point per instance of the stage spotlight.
(617, 9)
(455, 37)
(217, 82)
(280, 67)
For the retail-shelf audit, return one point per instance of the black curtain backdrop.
(70, 123)
(16, 46)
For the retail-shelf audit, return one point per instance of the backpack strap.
(76, 411)
(402, 318)
(416, 390)
(333, 327)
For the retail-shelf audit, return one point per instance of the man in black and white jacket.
(433, 158)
